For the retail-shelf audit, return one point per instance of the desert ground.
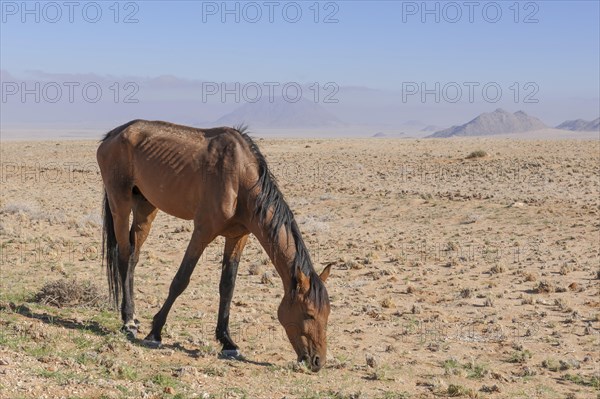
(461, 268)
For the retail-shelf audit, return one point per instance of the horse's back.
(175, 166)
(136, 130)
(140, 135)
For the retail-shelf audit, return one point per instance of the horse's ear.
(325, 273)
(303, 282)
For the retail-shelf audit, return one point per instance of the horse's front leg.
(180, 282)
(231, 258)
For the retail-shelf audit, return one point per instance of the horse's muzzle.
(313, 362)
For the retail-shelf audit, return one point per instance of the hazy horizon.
(376, 66)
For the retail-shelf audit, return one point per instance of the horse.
(218, 178)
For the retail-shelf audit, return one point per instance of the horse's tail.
(109, 253)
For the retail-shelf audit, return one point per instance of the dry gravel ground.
(452, 277)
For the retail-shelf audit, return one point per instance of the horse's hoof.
(151, 343)
(130, 330)
(231, 354)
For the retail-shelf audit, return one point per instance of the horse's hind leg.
(121, 204)
(143, 216)
(231, 258)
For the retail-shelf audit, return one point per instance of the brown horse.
(219, 179)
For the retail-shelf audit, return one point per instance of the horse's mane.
(270, 197)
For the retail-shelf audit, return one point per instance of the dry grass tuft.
(71, 293)
(497, 269)
(545, 287)
(388, 303)
(255, 269)
(565, 269)
(266, 279)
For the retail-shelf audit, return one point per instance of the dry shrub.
(388, 303)
(70, 293)
(255, 269)
(266, 279)
(527, 300)
(477, 154)
(565, 269)
(497, 269)
(545, 287)
(574, 286)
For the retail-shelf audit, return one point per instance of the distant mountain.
(431, 128)
(593, 126)
(580, 125)
(281, 114)
(490, 123)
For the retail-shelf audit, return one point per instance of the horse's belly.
(173, 195)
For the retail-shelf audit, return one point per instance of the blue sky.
(369, 46)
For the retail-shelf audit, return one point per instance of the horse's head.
(304, 313)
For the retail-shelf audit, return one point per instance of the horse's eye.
(309, 317)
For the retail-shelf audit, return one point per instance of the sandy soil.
(452, 277)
